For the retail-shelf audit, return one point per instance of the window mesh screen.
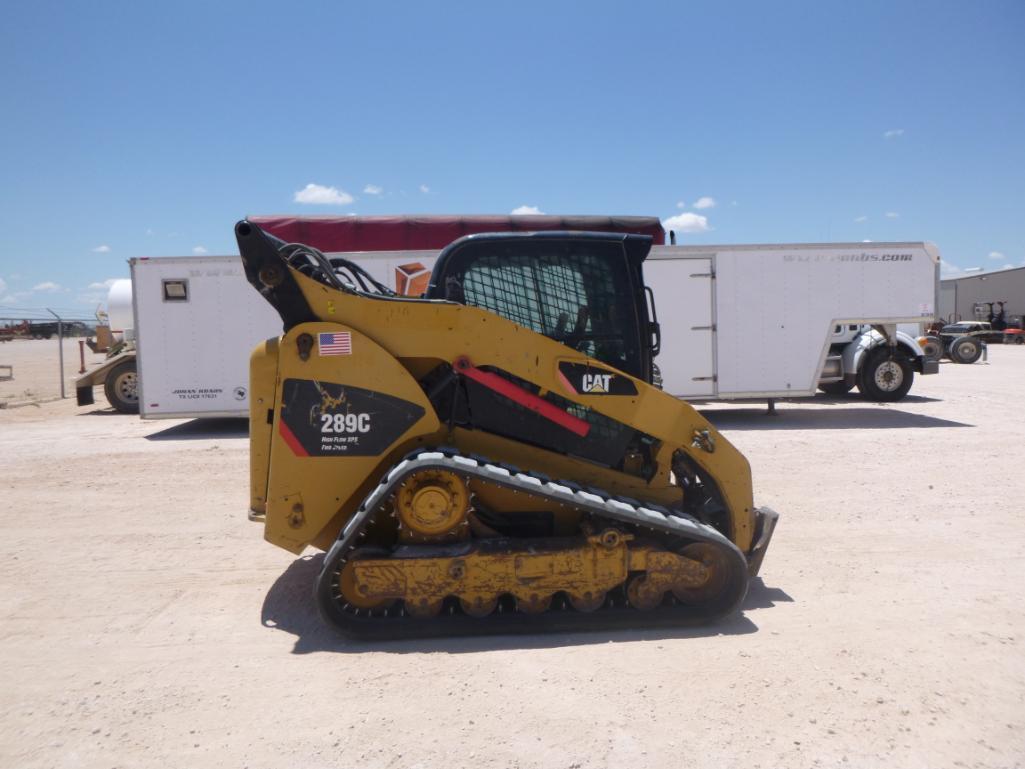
(569, 297)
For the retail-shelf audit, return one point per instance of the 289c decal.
(323, 419)
(345, 423)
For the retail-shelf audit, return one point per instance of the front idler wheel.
(716, 581)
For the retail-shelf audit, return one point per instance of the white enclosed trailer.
(767, 321)
(773, 321)
(186, 354)
(196, 321)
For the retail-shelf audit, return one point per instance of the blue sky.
(140, 128)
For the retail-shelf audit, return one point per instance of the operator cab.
(584, 290)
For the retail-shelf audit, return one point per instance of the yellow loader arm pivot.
(482, 457)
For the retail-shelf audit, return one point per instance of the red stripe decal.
(527, 400)
(291, 440)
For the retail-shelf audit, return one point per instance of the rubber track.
(395, 623)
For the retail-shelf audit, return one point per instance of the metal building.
(974, 297)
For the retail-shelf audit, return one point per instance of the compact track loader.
(491, 457)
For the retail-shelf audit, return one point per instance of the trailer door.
(683, 300)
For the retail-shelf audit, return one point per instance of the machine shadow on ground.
(852, 418)
(203, 429)
(289, 606)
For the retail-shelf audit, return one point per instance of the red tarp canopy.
(406, 233)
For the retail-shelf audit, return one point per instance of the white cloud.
(687, 223)
(867, 240)
(892, 215)
(948, 270)
(18, 297)
(3, 286)
(372, 189)
(1007, 267)
(199, 250)
(48, 287)
(701, 203)
(893, 133)
(992, 255)
(861, 219)
(319, 195)
(526, 211)
(101, 249)
(425, 189)
(105, 284)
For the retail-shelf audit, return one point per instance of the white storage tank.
(119, 308)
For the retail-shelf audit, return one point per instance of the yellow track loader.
(491, 457)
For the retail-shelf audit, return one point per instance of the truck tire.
(965, 350)
(885, 376)
(122, 387)
(836, 388)
(933, 348)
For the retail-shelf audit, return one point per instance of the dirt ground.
(146, 624)
(36, 366)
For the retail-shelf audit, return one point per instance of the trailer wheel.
(1019, 338)
(122, 387)
(836, 388)
(965, 350)
(885, 376)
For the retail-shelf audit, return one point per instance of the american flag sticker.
(334, 343)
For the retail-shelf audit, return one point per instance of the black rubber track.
(676, 529)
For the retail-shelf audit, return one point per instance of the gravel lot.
(146, 623)
(37, 369)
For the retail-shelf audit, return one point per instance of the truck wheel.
(965, 350)
(885, 376)
(836, 388)
(933, 348)
(122, 387)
